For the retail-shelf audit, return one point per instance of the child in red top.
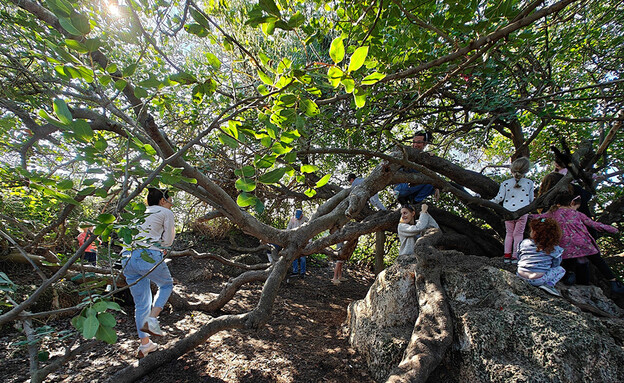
(90, 254)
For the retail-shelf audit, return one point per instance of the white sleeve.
(421, 224)
(168, 229)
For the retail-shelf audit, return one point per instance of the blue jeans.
(134, 268)
(296, 266)
(413, 194)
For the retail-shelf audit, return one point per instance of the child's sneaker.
(616, 287)
(514, 261)
(550, 290)
(152, 326)
(145, 349)
(507, 258)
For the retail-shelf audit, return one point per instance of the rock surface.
(504, 330)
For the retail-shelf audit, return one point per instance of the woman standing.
(147, 252)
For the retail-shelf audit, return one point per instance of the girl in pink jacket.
(578, 245)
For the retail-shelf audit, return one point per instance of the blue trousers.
(134, 268)
(299, 266)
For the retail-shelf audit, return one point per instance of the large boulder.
(503, 329)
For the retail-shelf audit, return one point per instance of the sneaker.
(343, 279)
(145, 349)
(550, 290)
(514, 261)
(569, 279)
(616, 287)
(507, 258)
(152, 327)
(335, 281)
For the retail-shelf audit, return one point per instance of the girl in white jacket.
(515, 193)
(409, 229)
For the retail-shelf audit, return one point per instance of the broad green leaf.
(129, 70)
(357, 59)
(62, 111)
(280, 149)
(183, 78)
(146, 257)
(75, 45)
(296, 20)
(265, 161)
(323, 181)
(308, 168)
(373, 78)
(309, 107)
(270, 7)
(140, 92)
(335, 74)
(310, 193)
(360, 97)
(81, 23)
(246, 199)
(273, 176)
(269, 27)
(245, 171)
(113, 306)
(213, 60)
(106, 218)
(265, 78)
(90, 327)
(82, 130)
(200, 18)
(78, 322)
(65, 185)
(197, 30)
(66, 23)
(106, 334)
(120, 84)
(111, 68)
(337, 50)
(105, 79)
(227, 140)
(100, 306)
(349, 84)
(107, 319)
(246, 185)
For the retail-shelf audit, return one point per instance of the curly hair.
(546, 233)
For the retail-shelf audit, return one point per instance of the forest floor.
(304, 341)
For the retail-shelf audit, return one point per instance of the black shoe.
(302, 276)
(569, 279)
(616, 287)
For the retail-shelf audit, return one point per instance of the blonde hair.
(520, 165)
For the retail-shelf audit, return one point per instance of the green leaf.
(81, 23)
(349, 84)
(113, 306)
(309, 107)
(213, 60)
(357, 59)
(66, 23)
(280, 149)
(82, 130)
(78, 322)
(335, 75)
(200, 18)
(91, 325)
(111, 68)
(323, 181)
(296, 20)
(265, 161)
(310, 193)
(245, 171)
(265, 78)
(106, 218)
(197, 30)
(360, 97)
(227, 140)
(43, 356)
(120, 84)
(140, 92)
(270, 7)
(183, 78)
(75, 45)
(62, 111)
(245, 199)
(273, 176)
(373, 78)
(107, 319)
(308, 168)
(129, 70)
(100, 306)
(337, 50)
(106, 334)
(244, 184)
(146, 257)
(65, 185)
(105, 79)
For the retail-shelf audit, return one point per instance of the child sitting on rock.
(539, 258)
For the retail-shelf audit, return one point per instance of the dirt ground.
(304, 341)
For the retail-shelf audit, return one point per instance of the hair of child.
(154, 195)
(562, 199)
(546, 233)
(519, 168)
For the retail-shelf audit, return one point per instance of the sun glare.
(113, 8)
